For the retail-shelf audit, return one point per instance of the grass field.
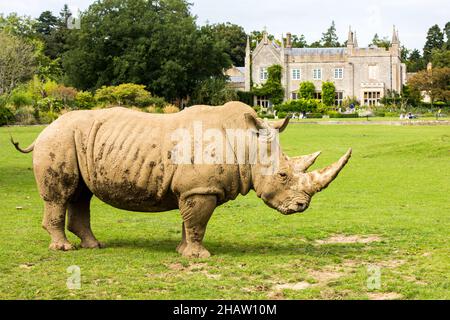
(389, 209)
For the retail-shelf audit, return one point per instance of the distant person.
(402, 116)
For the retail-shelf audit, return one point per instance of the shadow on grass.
(244, 249)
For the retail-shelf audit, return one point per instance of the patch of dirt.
(390, 263)
(324, 276)
(413, 279)
(27, 266)
(340, 238)
(384, 296)
(293, 286)
(193, 268)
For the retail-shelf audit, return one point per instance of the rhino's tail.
(27, 150)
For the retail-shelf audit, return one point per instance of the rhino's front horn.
(320, 179)
(304, 162)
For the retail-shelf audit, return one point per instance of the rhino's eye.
(282, 175)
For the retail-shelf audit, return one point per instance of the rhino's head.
(290, 187)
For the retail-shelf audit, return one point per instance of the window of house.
(317, 74)
(294, 95)
(263, 102)
(373, 72)
(339, 97)
(263, 74)
(318, 95)
(339, 73)
(296, 74)
(372, 98)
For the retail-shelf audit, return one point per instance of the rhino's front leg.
(195, 211)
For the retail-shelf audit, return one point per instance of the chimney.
(288, 40)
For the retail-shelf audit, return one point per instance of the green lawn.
(392, 201)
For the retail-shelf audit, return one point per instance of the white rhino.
(124, 158)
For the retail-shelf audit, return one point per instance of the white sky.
(308, 17)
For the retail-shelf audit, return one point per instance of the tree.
(329, 37)
(17, 62)
(328, 93)
(233, 39)
(272, 88)
(440, 58)
(415, 61)
(20, 26)
(381, 43)
(447, 35)
(214, 92)
(306, 90)
(435, 83)
(117, 44)
(435, 40)
(46, 23)
(53, 31)
(299, 41)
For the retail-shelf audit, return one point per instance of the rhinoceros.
(126, 159)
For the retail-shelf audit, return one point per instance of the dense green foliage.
(272, 88)
(301, 106)
(170, 55)
(306, 90)
(328, 93)
(214, 92)
(233, 39)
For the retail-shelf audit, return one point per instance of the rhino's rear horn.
(320, 179)
(304, 162)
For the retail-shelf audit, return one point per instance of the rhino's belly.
(128, 196)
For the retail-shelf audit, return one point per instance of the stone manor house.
(364, 73)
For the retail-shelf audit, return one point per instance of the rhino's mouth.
(292, 207)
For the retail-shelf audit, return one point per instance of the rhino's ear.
(280, 125)
(254, 121)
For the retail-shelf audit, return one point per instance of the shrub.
(306, 90)
(66, 95)
(154, 109)
(49, 104)
(282, 115)
(6, 116)
(20, 98)
(84, 100)
(300, 105)
(379, 114)
(171, 109)
(245, 97)
(328, 93)
(343, 115)
(155, 101)
(257, 109)
(348, 101)
(314, 116)
(46, 117)
(391, 114)
(25, 115)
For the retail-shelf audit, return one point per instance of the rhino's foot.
(63, 246)
(92, 244)
(195, 251)
(181, 247)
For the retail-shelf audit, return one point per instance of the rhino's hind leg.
(182, 245)
(80, 220)
(196, 211)
(53, 222)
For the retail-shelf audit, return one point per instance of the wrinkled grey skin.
(124, 158)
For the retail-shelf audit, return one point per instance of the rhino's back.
(123, 160)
